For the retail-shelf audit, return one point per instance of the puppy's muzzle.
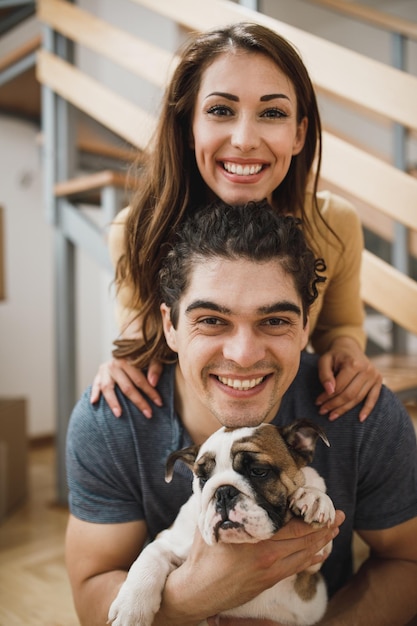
(225, 500)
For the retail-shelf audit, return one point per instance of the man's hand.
(231, 574)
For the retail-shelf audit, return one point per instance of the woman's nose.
(245, 136)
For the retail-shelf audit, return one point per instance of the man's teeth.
(242, 170)
(241, 384)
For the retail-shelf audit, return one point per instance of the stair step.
(83, 186)
(399, 373)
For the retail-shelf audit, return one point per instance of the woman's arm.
(347, 375)
(122, 372)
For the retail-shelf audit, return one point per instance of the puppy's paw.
(131, 608)
(313, 505)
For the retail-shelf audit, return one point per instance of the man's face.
(239, 337)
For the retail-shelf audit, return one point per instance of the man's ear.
(169, 330)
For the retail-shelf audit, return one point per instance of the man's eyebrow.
(207, 304)
(230, 96)
(283, 306)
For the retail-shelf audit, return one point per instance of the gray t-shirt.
(116, 467)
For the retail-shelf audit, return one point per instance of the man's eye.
(211, 321)
(220, 110)
(275, 321)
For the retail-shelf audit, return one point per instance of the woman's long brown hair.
(169, 183)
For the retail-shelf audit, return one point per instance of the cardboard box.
(13, 455)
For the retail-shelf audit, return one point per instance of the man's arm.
(383, 592)
(98, 557)
(212, 578)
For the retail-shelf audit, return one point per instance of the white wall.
(27, 341)
(26, 316)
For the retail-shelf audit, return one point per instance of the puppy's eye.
(259, 472)
(202, 480)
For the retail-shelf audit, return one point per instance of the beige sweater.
(338, 310)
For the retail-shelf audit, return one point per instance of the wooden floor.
(34, 589)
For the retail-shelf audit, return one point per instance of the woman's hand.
(129, 378)
(348, 377)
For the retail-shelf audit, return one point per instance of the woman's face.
(244, 127)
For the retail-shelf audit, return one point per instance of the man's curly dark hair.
(253, 231)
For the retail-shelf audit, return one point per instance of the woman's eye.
(220, 110)
(273, 113)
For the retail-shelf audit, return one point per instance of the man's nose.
(244, 348)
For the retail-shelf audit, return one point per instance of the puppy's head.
(244, 478)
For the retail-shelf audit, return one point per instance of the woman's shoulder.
(331, 205)
(116, 237)
(340, 214)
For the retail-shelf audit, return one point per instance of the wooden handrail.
(389, 291)
(94, 182)
(373, 16)
(116, 113)
(27, 48)
(141, 58)
(368, 178)
(388, 189)
(350, 77)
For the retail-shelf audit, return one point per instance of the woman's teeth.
(242, 170)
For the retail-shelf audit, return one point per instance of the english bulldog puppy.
(248, 482)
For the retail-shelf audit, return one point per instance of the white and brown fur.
(248, 482)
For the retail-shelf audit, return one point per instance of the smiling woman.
(243, 139)
(239, 122)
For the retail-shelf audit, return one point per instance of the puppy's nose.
(226, 496)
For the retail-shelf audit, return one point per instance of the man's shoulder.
(93, 419)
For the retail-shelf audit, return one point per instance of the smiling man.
(236, 289)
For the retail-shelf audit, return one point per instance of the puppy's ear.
(187, 456)
(301, 437)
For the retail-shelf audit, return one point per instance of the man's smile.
(239, 384)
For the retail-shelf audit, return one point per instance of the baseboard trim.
(41, 441)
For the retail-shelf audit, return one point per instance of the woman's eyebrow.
(273, 96)
(233, 98)
(223, 94)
